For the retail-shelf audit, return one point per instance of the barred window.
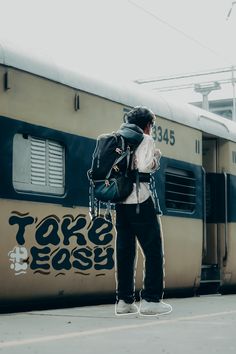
(38, 165)
(180, 190)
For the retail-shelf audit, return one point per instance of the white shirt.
(145, 161)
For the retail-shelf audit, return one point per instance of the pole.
(205, 103)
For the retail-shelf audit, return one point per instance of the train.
(50, 248)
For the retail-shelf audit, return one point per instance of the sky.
(125, 40)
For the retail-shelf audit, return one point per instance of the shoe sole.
(154, 314)
(125, 313)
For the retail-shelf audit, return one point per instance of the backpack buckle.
(118, 150)
(116, 168)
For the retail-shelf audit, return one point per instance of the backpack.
(111, 179)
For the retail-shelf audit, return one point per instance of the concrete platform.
(205, 325)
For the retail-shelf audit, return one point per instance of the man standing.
(136, 218)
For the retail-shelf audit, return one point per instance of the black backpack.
(111, 179)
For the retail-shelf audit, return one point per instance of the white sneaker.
(154, 308)
(122, 308)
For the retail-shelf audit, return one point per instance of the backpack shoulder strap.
(121, 157)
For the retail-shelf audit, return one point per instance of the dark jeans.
(145, 227)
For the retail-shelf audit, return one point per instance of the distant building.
(222, 107)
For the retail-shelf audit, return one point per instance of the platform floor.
(205, 324)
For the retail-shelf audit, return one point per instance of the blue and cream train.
(49, 247)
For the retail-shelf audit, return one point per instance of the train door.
(214, 213)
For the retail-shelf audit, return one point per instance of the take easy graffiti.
(61, 244)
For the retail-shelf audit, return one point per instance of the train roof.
(129, 95)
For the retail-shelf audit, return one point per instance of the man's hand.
(157, 154)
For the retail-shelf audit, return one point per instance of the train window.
(38, 165)
(180, 190)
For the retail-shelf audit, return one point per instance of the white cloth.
(145, 161)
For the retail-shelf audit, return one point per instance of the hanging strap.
(91, 201)
(107, 215)
(137, 192)
(129, 161)
(154, 195)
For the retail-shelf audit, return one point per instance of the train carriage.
(49, 247)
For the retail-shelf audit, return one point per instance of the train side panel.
(227, 165)
(42, 102)
(52, 238)
(48, 251)
(183, 252)
(179, 186)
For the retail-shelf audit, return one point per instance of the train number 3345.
(166, 135)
